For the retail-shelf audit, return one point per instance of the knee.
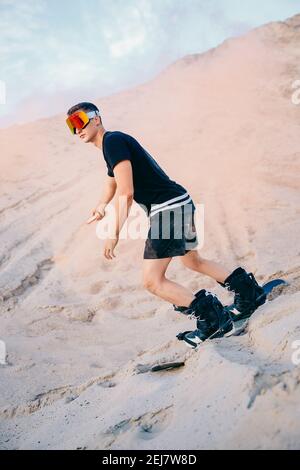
(151, 284)
(194, 263)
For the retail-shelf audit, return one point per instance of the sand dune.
(81, 332)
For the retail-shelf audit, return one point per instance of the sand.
(82, 333)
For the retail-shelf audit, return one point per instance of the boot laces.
(199, 317)
(193, 316)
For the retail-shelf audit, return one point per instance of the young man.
(132, 174)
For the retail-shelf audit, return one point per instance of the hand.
(109, 246)
(98, 214)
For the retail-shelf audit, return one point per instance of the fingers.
(109, 253)
(96, 216)
(100, 213)
(91, 219)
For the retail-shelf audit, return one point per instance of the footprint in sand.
(145, 427)
(107, 384)
(152, 424)
(142, 315)
(110, 303)
(96, 288)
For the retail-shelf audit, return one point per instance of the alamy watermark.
(170, 223)
(2, 353)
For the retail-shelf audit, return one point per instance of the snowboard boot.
(213, 321)
(248, 295)
(185, 310)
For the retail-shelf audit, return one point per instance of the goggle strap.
(92, 114)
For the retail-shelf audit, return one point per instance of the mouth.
(82, 135)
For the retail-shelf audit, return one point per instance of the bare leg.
(193, 260)
(155, 281)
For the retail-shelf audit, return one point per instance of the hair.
(85, 106)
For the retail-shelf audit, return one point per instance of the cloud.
(95, 47)
(119, 48)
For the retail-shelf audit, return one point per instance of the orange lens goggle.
(79, 120)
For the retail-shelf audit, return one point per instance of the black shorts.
(172, 233)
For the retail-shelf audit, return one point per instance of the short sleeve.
(109, 170)
(116, 150)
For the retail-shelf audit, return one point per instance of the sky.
(54, 53)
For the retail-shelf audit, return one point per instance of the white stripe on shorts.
(174, 199)
(172, 206)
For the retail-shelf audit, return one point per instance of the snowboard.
(240, 325)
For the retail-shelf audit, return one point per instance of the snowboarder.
(133, 174)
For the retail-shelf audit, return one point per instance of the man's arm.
(108, 193)
(124, 194)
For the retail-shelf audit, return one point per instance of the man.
(132, 174)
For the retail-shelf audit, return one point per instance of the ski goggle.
(80, 120)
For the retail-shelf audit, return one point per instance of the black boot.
(213, 321)
(184, 310)
(248, 294)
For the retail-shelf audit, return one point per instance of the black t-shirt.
(153, 189)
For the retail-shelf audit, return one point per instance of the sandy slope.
(81, 332)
